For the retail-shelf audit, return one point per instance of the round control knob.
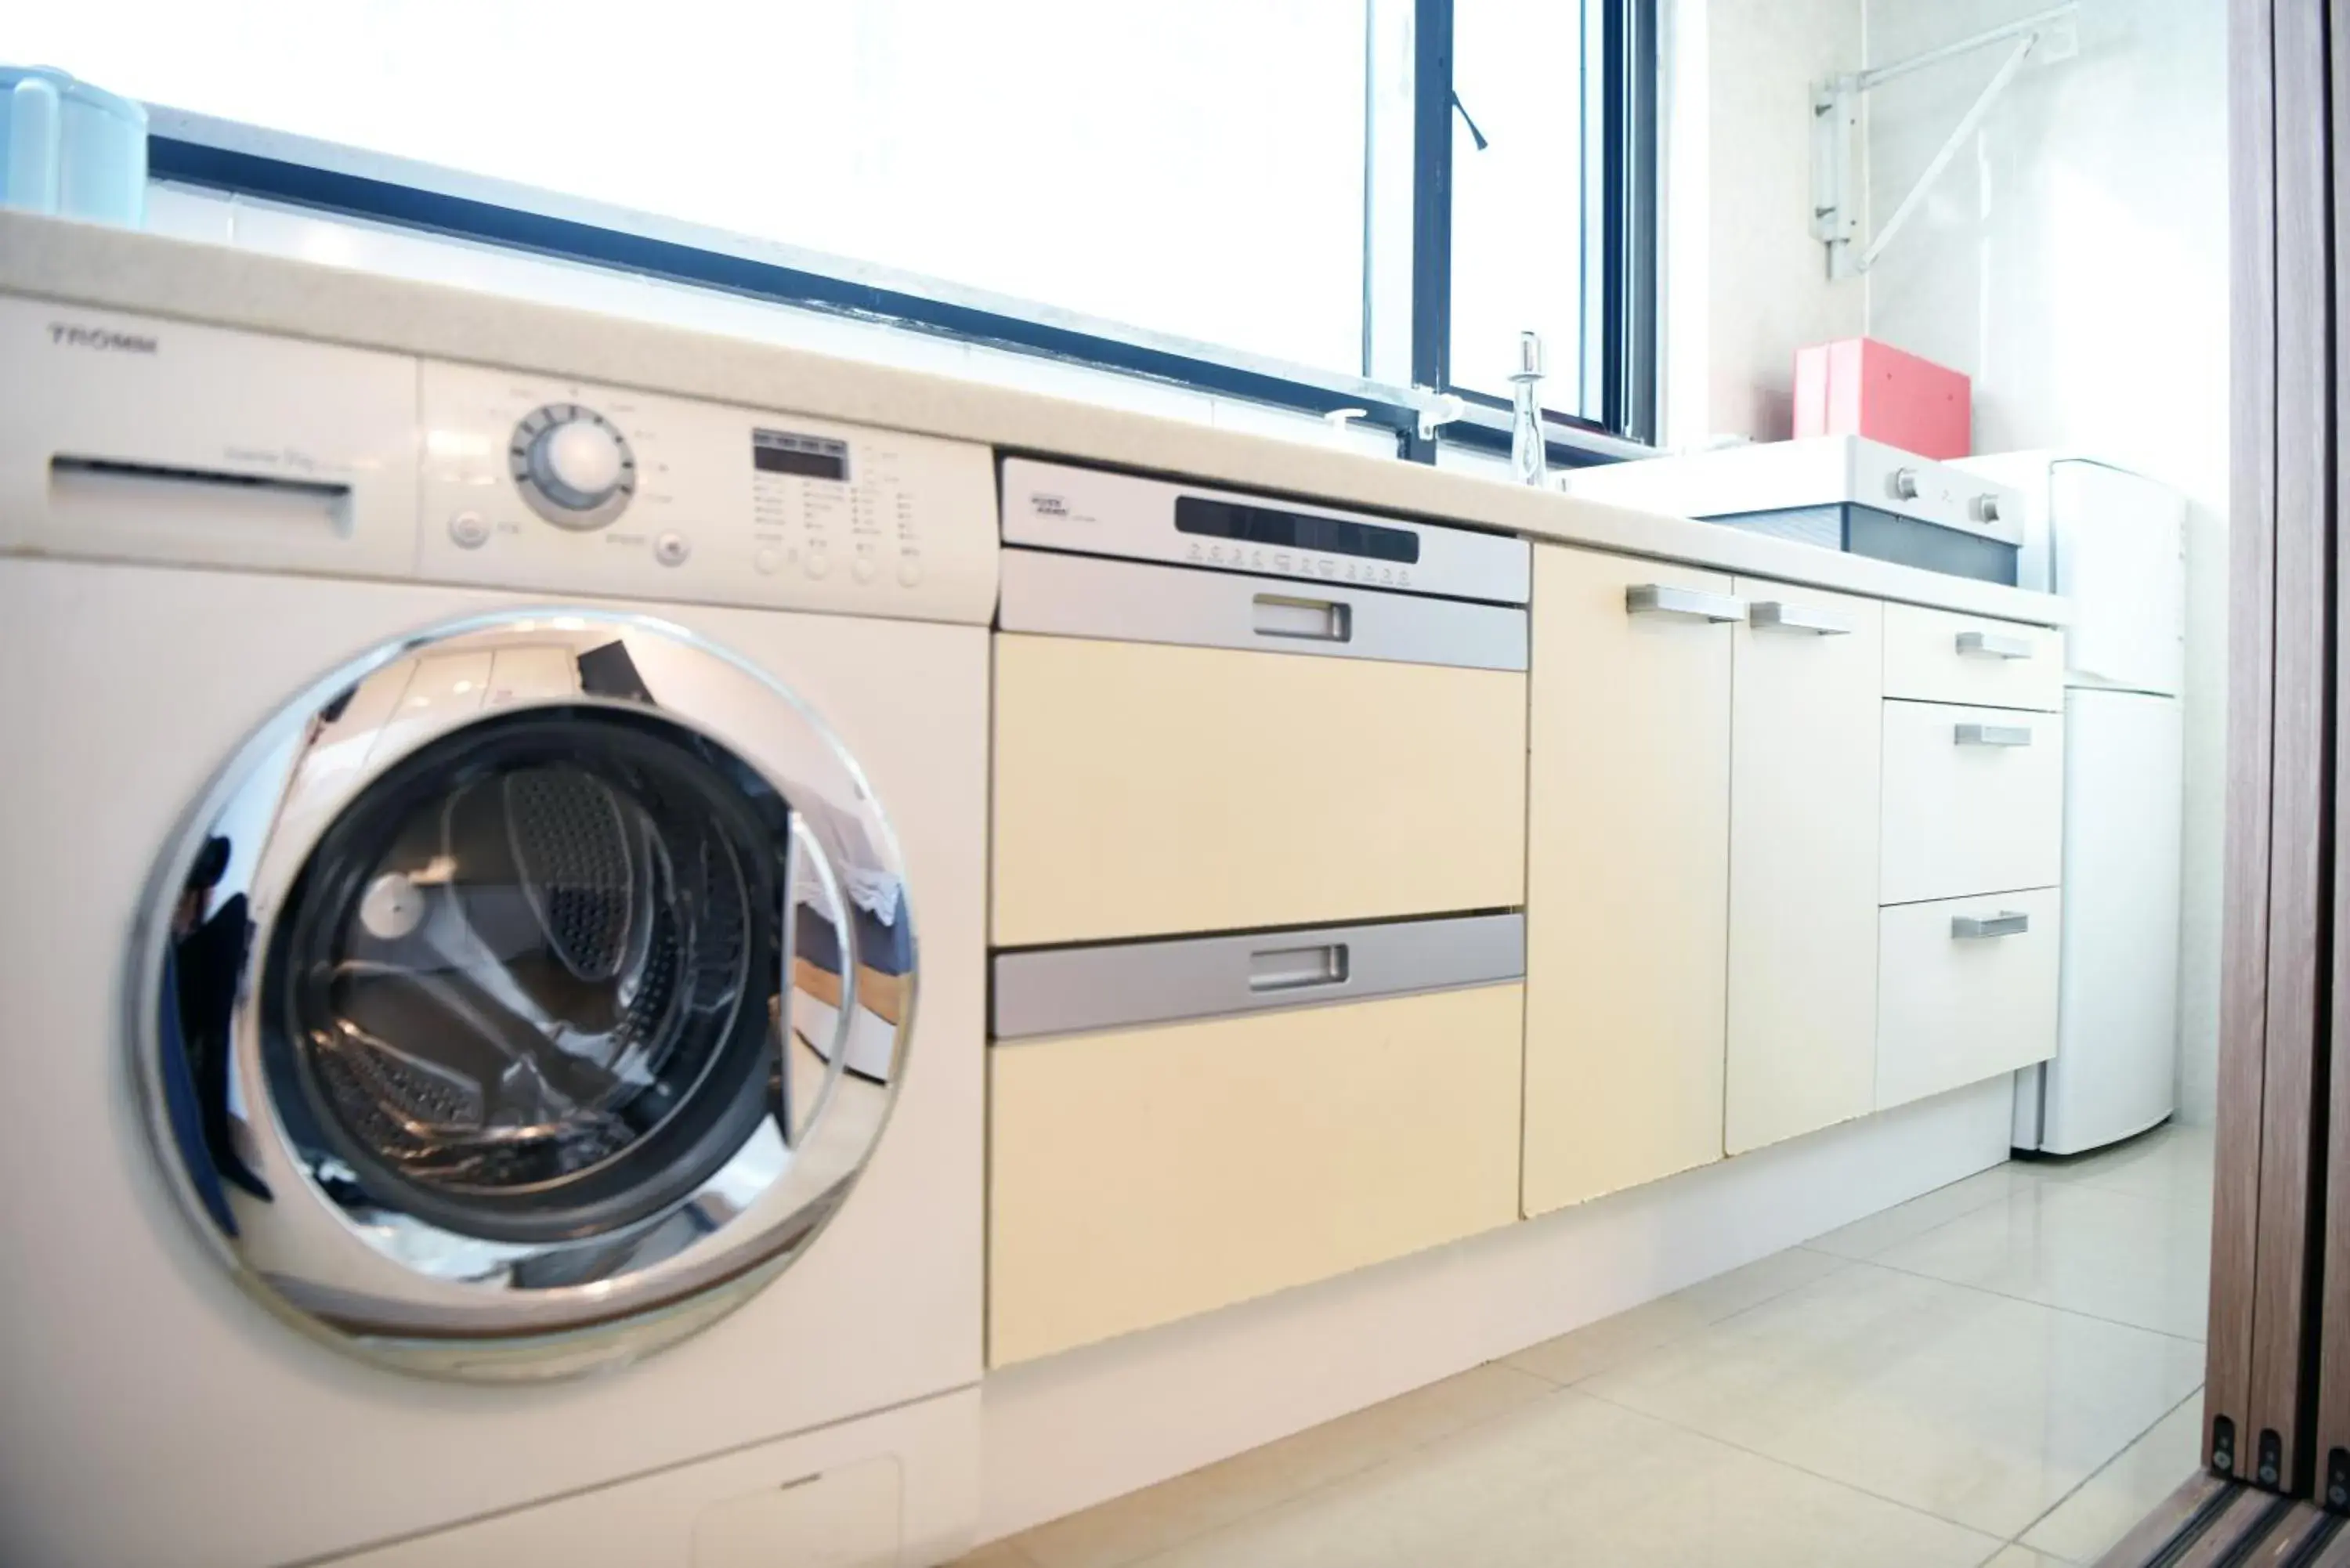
(1987, 508)
(573, 467)
(577, 463)
(1903, 484)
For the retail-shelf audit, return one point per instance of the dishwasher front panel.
(1139, 1176)
(1149, 789)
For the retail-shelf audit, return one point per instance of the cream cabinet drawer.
(1966, 990)
(1934, 656)
(1137, 1176)
(1974, 801)
(1143, 789)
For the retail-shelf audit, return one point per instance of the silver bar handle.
(1285, 615)
(1661, 599)
(1796, 618)
(2006, 923)
(1993, 644)
(1992, 735)
(1293, 968)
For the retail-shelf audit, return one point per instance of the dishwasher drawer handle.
(1659, 599)
(1321, 620)
(1294, 969)
(1795, 618)
(1992, 735)
(2006, 923)
(1993, 644)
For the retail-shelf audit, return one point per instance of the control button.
(909, 570)
(1903, 484)
(863, 568)
(818, 563)
(1987, 508)
(766, 561)
(672, 549)
(469, 529)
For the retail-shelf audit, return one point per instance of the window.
(1192, 189)
(1517, 194)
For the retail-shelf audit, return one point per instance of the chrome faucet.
(1528, 463)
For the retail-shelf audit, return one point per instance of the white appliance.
(1840, 493)
(2114, 544)
(475, 839)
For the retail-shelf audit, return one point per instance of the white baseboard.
(1076, 1429)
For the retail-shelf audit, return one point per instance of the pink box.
(1860, 387)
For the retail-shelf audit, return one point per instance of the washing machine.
(490, 964)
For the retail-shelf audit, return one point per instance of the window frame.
(1620, 335)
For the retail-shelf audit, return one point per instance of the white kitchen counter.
(88, 265)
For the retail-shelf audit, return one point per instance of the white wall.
(1745, 284)
(2074, 261)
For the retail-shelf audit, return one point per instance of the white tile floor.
(2005, 1372)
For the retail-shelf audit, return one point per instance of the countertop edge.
(91, 266)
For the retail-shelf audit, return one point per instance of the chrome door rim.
(372, 1278)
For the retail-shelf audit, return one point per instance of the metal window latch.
(1441, 408)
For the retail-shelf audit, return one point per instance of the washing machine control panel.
(559, 485)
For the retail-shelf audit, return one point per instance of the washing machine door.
(527, 995)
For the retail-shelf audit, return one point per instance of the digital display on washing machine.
(1294, 530)
(810, 457)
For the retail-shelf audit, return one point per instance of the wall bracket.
(1838, 177)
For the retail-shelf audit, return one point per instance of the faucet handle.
(1529, 357)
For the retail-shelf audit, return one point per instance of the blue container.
(70, 150)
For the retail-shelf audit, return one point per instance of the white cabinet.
(1974, 800)
(1968, 991)
(1804, 764)
(1627, 872)
(1934, 656)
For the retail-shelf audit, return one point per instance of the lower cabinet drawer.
(1144, 789)
(1139, 1176)
(1973, 801)
(1966, 990)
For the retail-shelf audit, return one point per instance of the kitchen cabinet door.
(1805, 758)
(1627, 872)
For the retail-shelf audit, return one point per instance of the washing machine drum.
(530, 998)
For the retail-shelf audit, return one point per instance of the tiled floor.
(2004, 1372)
